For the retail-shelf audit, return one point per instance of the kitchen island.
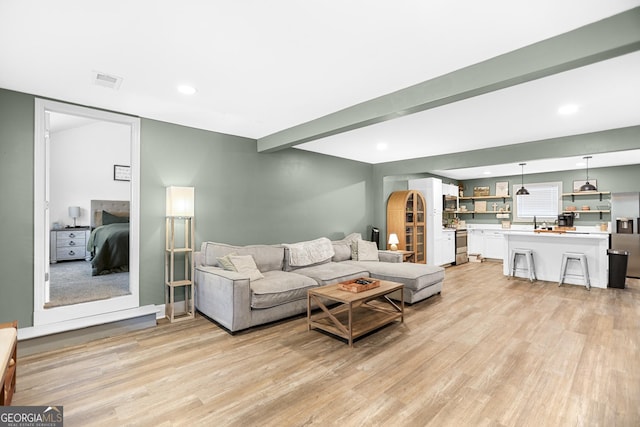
(547, 254)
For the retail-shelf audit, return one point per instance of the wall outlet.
(576, 214)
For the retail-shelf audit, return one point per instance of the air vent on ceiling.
(107, 80)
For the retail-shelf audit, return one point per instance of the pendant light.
(522, 191)
(587, 186)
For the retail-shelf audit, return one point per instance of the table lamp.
(393, 241)
(74, 212)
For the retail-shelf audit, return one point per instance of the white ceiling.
(260, 67)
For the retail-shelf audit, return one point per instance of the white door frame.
(83, 314)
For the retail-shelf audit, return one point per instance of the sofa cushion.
(364, 250)
(266, 257)
(412, 276)
(279, 287)
(246, 264)
(333, 272)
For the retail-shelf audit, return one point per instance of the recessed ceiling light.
(568, 109)
(186, 90)
(382, 146)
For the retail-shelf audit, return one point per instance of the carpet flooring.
(72, 283)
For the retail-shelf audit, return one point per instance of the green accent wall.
(16, 209)
(245, 197)
(242, 197)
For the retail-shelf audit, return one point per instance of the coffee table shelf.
(357, 313)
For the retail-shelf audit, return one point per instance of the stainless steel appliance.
(625, 210)
(461, 247)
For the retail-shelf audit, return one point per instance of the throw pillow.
(226, 263)
(342, 251)
(246, 264)
(108, 218)
(365, 250)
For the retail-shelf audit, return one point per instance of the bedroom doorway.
(86, 162)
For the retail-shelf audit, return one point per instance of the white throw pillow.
(365, 250)
(246, 264)
(226, 263)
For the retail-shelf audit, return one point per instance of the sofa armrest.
(389, 256)
(224, 296)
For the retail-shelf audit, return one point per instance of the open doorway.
(86, 168)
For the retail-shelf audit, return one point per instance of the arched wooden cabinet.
(406, 211)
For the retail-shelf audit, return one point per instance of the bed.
(108, 243)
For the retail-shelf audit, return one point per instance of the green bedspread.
(109, 246)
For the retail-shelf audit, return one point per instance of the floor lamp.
(180, 212)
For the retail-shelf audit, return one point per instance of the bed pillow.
(108, 218)
(246, 264)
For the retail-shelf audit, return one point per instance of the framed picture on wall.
(502, 188)
(121, 173)
(578, 184)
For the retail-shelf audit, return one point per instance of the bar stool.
(528, 256)
(575, 256)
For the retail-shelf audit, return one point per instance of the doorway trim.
(84, 314)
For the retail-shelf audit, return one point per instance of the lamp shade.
(74, 211)
(393, 239)
(180, 201)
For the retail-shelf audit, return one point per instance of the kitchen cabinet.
(475, 241)
(493, 244)
(488, 243)
(447, 253)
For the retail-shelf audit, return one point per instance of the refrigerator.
(625, 222)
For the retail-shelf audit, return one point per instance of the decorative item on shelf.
(588, 186)
(480, 191)
(74, 212)
(180, 206)
(570, 208)
(393, 241)
(502, 188)
(494, 205)
(481, 206)
(586, 208)
(522, 191)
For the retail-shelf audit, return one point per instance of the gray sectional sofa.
(285, 272)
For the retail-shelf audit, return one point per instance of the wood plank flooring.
(487, 352)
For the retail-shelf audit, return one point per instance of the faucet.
(535, 226)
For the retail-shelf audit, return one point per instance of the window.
(543, 202)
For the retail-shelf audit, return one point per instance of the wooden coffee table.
(357, 313)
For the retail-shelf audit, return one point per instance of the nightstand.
(68, 244)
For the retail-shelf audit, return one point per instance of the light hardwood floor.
(489, 351)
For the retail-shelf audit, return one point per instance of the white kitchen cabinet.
(475, 241)
(448, 247)
(493, 244)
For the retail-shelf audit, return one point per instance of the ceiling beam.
(599, 41)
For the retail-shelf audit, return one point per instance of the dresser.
(68, 244)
